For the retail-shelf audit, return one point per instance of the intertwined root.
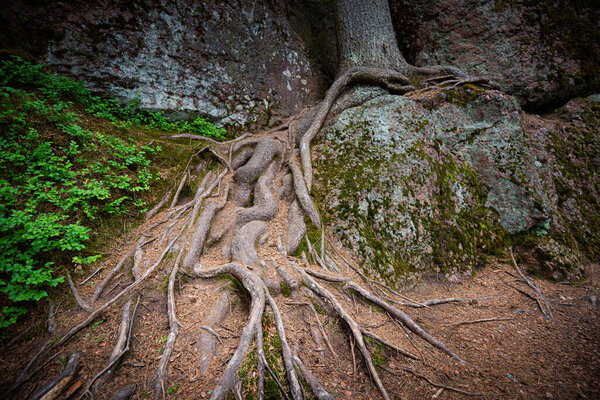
(259, 195)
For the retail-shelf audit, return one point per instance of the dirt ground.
(522, 356)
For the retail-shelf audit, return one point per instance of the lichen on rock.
(435, 182)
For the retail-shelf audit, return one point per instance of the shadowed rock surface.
(544, 52)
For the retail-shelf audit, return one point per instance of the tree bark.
(366, 36)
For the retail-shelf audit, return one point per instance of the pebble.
(594, 301)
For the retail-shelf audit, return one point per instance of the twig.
(541, 300)
(265, 362)
(476, 321)
(212, 332)
(439, 385)
(92, 275)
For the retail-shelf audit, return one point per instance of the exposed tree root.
(257, 180)
(316, 387)
(114, 358)
(477, 321)
(406, 320)
(200, 230)
(125, 392)
(255, 287)
(246, 175)
(80, 302)
(160, 205)
(123, 338)
(354, 328)
(539, 298)
(296, 228)
(207, 340)
(439, 385)
(109, 277)
(285, 350)
(174, 324)
(54, 388)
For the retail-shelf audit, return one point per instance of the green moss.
(318, 308)
(314, 235)
(463, 95)
(285, 289)
(377, 352)
(576, 149)
(272, 348)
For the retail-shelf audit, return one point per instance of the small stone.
(594, 301)
(549, 395)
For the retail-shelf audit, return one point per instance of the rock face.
(242, 61)
(234, 62)
(541, 51)
(567, 144)
(434, 182)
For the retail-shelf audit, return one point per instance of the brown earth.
(523, 357)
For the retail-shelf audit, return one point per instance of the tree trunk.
(366, 37)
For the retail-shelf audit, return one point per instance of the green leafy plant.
(57, 176)
(173, 389)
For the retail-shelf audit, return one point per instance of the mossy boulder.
(566, 147)
(435, 183)
(544, 52)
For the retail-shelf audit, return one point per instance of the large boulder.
(434, 182)
(234, 62)
(544, 52)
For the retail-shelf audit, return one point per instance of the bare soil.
(525, 357)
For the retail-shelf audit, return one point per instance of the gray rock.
(417, 185)
(543, 52)
(221, 60)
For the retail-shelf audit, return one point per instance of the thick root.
(174, 331)
(206, 340)
(54, 388)
(266, 150)
(296, 228)
(255, 287)
(302, 195)
(200, 230)
(242, 245)
(354, 328)
(265, 205)
(377, 76)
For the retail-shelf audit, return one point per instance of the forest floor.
(522, 356)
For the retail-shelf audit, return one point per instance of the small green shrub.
(57, 176)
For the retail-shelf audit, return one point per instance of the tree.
(366, 37)
(233, 208)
